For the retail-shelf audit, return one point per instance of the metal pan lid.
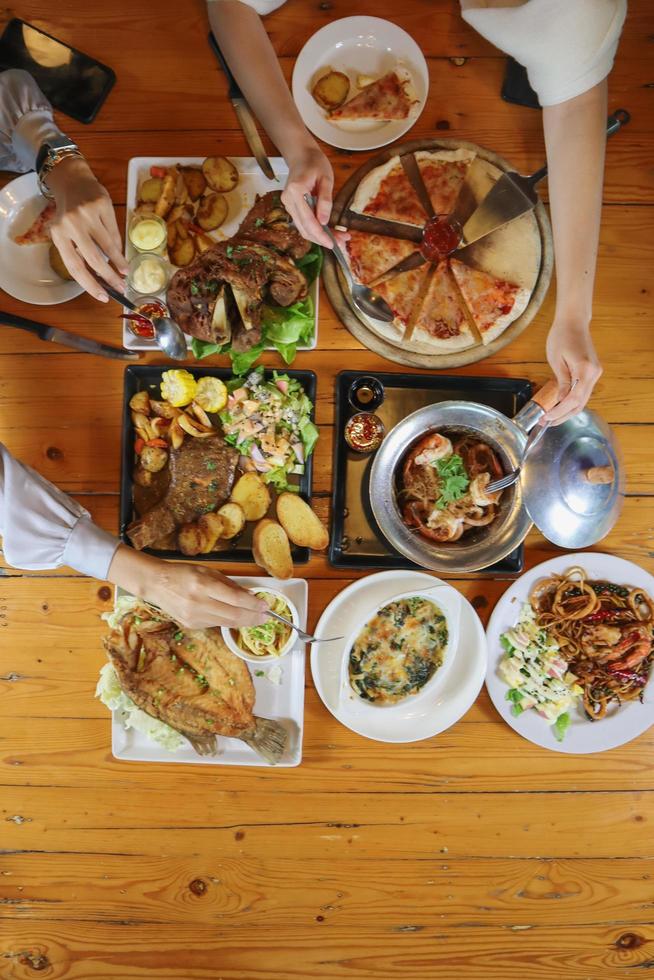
(573, 482)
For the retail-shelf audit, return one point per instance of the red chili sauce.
(364, 432)
(440, 237)
(138, 324)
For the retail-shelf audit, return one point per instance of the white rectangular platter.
(282, 702)
(251, 182)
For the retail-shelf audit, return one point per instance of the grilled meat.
(220, 296)
(201, 479)
(191, 681)
(269, 223)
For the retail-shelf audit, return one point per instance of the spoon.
(167, 334)
(367, 301)
(305, 637)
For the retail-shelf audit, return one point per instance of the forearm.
(575, 137)
(249, 53)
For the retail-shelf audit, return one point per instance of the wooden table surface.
(472, 855)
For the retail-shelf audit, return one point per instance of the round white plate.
(621, 724)
(357, 46)
(430, 715)
(25, 271)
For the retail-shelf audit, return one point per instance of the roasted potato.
(182, 228)
(233, 519)
(142, 425)
(190, 539)
(57, 263)
(167, 196)
(303, 526)
(203, 243)
(183, 251)
(172, 234)
(331, 90)
(211, 528)
(176, 434)
(145, 207)
(195, 182)
(164, 409)
(220, 173)
(181, 211)
(143, 477)
(181, 193)
(364, 80)
(252, 495)
(140, 402)
(212, 211)
(153, 458)
(271, 550)
(150, 190)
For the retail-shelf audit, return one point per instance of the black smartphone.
(516, 87)
(73, 82)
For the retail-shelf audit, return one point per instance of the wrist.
(69, 168)
(301, 147)
(131, 570)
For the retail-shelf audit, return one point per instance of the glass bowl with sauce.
(366, 393)
(141, 326)
(148, 233)
(148, 274)
(364, 432)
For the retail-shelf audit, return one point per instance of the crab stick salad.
(537, 675)
(269, 422)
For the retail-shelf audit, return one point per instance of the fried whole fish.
(191, 681)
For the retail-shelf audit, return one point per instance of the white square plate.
(252, 182)
(282, 702)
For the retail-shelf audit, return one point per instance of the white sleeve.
(262, 7)
(26, 121)
(41, 527)
(567, 46)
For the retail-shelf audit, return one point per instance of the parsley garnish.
(195, 289)
(229, 251)
(258, 223)
(210, 465)
(454, 479)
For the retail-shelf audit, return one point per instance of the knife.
(352, 220)
(243, 113)
(513, 195)
(57, 336)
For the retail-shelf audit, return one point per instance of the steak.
(191, 681)
(269, 223)
(201, 478)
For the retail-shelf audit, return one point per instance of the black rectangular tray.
(148, 376)
(356, 540)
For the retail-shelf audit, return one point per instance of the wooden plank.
(244, 892)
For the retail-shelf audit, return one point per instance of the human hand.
(575, 364)
(309, 173)
(85, 226)
(193, 595)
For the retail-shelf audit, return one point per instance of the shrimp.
(431, 449)
(637, 645)
(438, 527)
(601, 642)
(477, 491)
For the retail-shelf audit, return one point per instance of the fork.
(305, 637)
(534, 438)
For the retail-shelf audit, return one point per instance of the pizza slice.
(38, 232)
(389, 97)
(402, 293)
(493, 303)
(443, 173)
(372, 255)
(442, 320)
(387, 193)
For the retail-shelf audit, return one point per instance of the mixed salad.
(269, 422)
(537, 675)
(284, 328)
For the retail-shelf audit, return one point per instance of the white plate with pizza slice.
(388, 82)
(25, 270)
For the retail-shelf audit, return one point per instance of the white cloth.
(26, 121)
(42, 527)
(567, 46)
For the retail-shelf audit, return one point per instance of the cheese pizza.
(389, 97)
(443, 173)
(39, 231)
(493, 303)
(372, 255)
(441, 320)
(403, 293)
(387, 193)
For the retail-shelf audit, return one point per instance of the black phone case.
(58, 104)
(516, 88)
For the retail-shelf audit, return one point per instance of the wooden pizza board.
(520, 252)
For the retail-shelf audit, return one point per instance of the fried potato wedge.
(150, 190)
(182, 252)
(163, 409)
(190, 539)
(220, 173)
(194, 428)
(203, 243)
(301, 523)
(195, 182)
(176, 434)
(212, 211)
(233, 519)
(57, 264)
(167, 196)
(271, 550)
(211, 529)
(331, 90)
(252, 495)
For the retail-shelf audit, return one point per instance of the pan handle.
(540, 403)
